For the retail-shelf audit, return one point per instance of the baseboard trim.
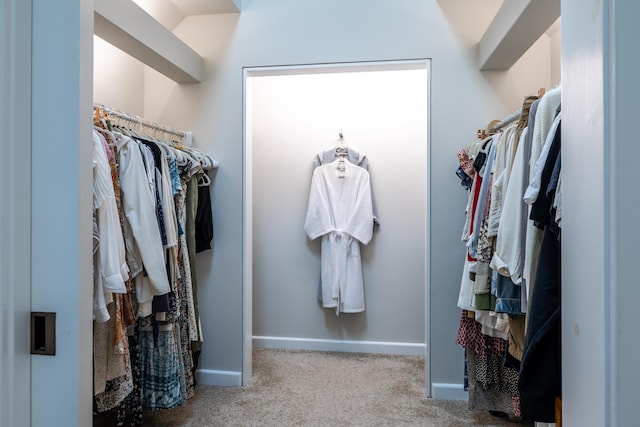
(444, 391)
(378, 347)
(219, 378)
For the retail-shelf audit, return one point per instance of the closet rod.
(507, 121)
(139, 120)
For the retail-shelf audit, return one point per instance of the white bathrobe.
(340, 210)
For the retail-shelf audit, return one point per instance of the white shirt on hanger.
(111, 269)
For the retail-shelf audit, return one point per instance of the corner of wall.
(219, 378)
(442, 391)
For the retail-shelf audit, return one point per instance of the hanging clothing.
(110, 266)
(466, 296)
(139, 207)
(154, 365)
(356, 158)
(488, 148)
(492, 386)
(204, 217)
(191, 203)
(501, 173)
(159, 367)
(506, 290)
(480, 245)
(524, 210)
(169, 211)
(513, 362)
(534, 233)
(340, 211)
(133, 401)
(476, 280)
(506, 259)
(547, 119)
(112, 371)
(541, 366)
(184, 268)
(113, 380)
(543, 345)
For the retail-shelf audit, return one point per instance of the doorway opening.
(291, 114)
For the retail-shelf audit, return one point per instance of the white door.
(45, 212)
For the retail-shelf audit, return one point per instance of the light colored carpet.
(298, 388)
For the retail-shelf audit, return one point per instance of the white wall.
(118, 79)
(600, 292)
(285, 32)
(383, 114)
(584, 205)
(555, 38)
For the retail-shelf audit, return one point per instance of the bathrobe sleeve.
(319, 218)
(359, 220)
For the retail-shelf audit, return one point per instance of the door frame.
(15, 213)
(247, 294)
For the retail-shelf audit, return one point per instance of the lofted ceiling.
(502, 30)
(171, 12)
(206, 7)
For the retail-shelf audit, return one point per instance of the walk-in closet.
(219, 74)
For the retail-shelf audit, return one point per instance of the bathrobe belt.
(340, 243)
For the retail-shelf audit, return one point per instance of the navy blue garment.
(551, 194)
(541, 208)
(540, 370)
(540, 379)
(466, 181)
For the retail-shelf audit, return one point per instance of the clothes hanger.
(192, 163)
(341, 150)
(169, 152)
(181, 157)
(109, 136)
(212, 162)
(172, 148)
(199, 157)
(342, 154)
(120, 128)
(204, 180)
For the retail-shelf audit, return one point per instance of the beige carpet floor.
(299, 388)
